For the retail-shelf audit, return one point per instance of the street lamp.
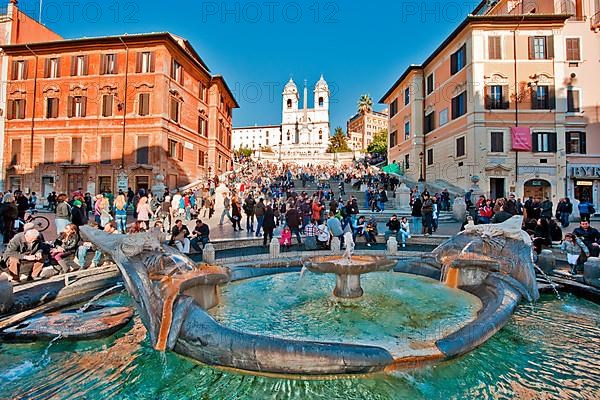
(421, 178)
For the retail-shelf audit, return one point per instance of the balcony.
(595, 22)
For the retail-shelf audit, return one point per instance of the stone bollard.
(392, 246)
(6, 295)
(335, 245)
(208, 254)
(274, 248)
(591, 272)
(546, 261)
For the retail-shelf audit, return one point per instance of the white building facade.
(303, 132)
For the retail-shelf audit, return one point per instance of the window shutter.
(10, 109)
(550, 47)
(116, 64)
(533, 95)
(488, 98)
(70, 106)
(552, 142)
(505, 97)
(138, 62)
(531, 48)
(83, 105)
(103, 64)
(453, 64)
(57, 67)
(47, 68)
(73, 65)
(568, 142)
(575, 96)
(85, 64)
(534, 142)
(576, 49)
(22, 109)
(25, 69)
(152, 61)
(55, 108)
(582, 143)
(551, 98)
(13, 74)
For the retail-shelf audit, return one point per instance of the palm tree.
(365, 104)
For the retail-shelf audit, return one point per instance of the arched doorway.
(537, 188)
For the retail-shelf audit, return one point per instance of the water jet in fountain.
(348, 269)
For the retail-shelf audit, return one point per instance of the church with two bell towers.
(303, 132)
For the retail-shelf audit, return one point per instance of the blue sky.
(359, 46)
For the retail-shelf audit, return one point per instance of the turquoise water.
(547, 351)
(396, 309)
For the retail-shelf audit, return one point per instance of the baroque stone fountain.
(348, 268)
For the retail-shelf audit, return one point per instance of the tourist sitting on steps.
(82, 251)
(179, 237)
(323, 236)
(200, 236)
(371, 232)
(24, 255)
(590, 236)
(65, 245)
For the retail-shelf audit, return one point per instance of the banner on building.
(521, 138)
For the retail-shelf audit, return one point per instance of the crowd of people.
(260, 199)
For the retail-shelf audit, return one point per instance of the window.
(144, 62)
(51, 68)
(76, 150)
(430, 83)
(202, 125)
(289, 103)
(394, 107)
(429, 156)
(541, 47)
(573, 100)
(48, 150)
(105, 183)
(144, 104)
(575, 142)
(460, 147)
(77, 106)
(406, 130)
(496, 97)
(406, 161)
(458, 60)
(107, 105)
(573, 49)
(544, 142)
(174, 110)
(393, 138)
(321, 102)
(177, 72)
(108, 64)
(79, 65)
(494, 48)
(444, 117)
(202, 92)
(406, 96)
(19, 72)
(15, 152)
(16, 109)
(105, 150)
(497, 142)
(201, 158)
(429, 123)
(142, 149)
(175, 149)
(542, 98)
(459, 105)
(52, 107)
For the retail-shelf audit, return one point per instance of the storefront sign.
(586, 171)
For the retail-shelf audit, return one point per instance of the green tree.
(338, 142)
(380, 143)
(365, 104)
(243, 152)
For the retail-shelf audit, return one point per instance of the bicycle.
(40, 223)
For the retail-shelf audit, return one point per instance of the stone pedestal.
(459, 209)
(403, 198)
(208, 254)
(546, 261)
(335, 245)
(274, 248)
(591, 272)
(6, 295)
(392, 246)
(347, 287)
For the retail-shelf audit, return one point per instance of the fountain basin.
(348, 271)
